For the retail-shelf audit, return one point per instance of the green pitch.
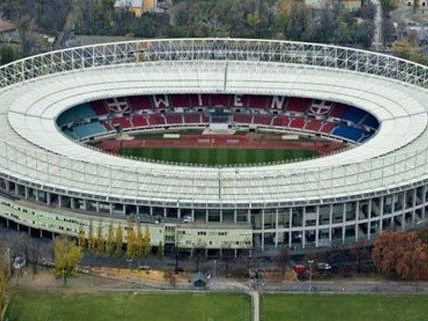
(129, 307)
(343, 307)
(217, 157)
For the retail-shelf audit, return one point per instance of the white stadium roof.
(35, 91)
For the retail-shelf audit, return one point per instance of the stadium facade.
(50, 182)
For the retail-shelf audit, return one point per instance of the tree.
(146, 244)
(8, 54)
(160, 253)
(82, 239)
(139, 241)
(131, 242)
(5, 275)
(401, 254)
(118, 241)
(360, 252)
(67, 255)
(99, 240)
(283, 260)
(406, 49)
(91, 238)
(110, 243)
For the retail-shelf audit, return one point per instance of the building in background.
(137, 7)
(348, 4)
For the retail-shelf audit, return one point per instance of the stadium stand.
(80, 112)
(139, 102)
(349, 133)
(122, 122)
(340, 120)
(88, 130)
(139, 121)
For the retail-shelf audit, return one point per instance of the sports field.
(217, 156)
(129, 307)
(343, 308)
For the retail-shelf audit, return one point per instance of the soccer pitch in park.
(278, 307)
(129, 307)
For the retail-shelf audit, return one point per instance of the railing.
(47, 168)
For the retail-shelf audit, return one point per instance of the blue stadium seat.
(354, 114)
(349, 133)
(75, 114)
(370, 121)
(88, 130)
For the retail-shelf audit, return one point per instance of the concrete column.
(164, 212)
(369, 224)
(414, 205)
(48, 198)
(235, 215)
(26, 192)
(290, 215)
(111, 208)
(179, 212)
(276, 228)
(382, 199)
(206, 216)
(59, 200)
(221, 216)
(303, 227)
(7, 186)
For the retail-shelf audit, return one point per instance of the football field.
(217, 156)
(129, 307)
(278, 307)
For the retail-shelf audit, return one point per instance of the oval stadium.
(215, 145)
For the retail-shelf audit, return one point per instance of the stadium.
(314, 145)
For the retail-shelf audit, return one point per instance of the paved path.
(255, 303)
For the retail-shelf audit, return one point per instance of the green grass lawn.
(127, 307)
(343, 308)
(214, 156)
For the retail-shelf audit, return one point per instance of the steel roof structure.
(34, 91)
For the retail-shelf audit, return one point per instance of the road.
(378, 20)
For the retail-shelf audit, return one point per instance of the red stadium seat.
(100, 108)
(191, 118)
(338, 110)
(122, 121)
(281, 121)
(200, 100)
(313, 125)
(299, 104)
(221, 100)
(180, 101)
(139, 121)
(156, 120)
(139, 102)
(298, 122)
(243, 119)
(174, 119)
(262, 119)
(327, 128)
(259, 102)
